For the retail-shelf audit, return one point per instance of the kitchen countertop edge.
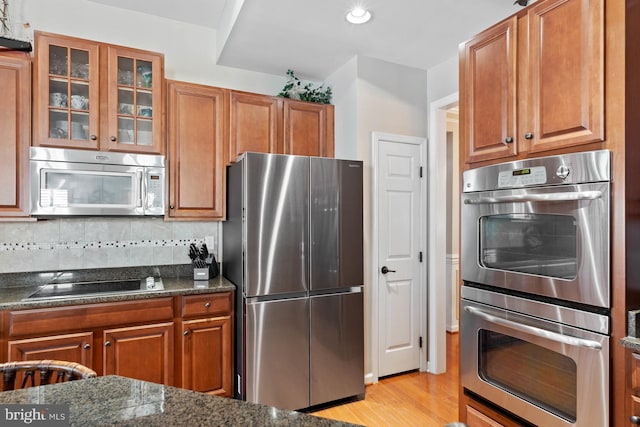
(14, 298)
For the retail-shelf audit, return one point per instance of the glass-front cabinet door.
(134, 100)
(66, 93)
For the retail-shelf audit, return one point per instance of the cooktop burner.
(62, 290)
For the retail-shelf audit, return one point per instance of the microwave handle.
(554, 336)
(139, 188)
(550, 197)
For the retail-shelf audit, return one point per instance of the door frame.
(437, 214)
(375, 308)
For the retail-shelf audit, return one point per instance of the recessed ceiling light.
(358, 15)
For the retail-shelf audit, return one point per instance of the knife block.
(208, 272)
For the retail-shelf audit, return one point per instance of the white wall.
(189, 50)
(442, 79)
(373, 95)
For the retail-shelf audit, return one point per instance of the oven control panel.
(535, 175)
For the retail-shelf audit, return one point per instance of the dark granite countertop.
(114, 400)
(177, 280)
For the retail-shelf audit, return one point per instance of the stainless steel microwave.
(78, 182)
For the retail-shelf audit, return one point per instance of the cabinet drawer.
(54, 320)
(206, 304)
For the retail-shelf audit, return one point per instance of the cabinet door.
(15, 116)
(488, 93)
(206, 365)
(70, 348)
(566, 73)
(140, 352)
(308, 129)
(66, 101)
(133, 109)
(196, 151)
(255, 124)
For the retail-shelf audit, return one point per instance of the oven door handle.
(549, 197)
(554, 336)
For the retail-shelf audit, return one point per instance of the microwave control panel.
(522, 177)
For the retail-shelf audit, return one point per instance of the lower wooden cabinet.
(206, 347)
(71, 347)
(206, 352)
(141, 352)
(184, 341)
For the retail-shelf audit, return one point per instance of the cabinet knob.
(87, 346)
(207, 305)
(635, 420)
(171, 207)
(93, 137)
(185, 333)
(113, 138)
(508, 139)
(107, 343)
(528, 135)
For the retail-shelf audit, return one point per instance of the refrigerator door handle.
(336, 291)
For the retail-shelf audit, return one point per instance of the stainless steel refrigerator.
(292, 244)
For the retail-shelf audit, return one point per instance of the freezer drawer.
(337, 347)
(277, 353)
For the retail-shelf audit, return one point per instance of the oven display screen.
(535, 175)
(521, 172)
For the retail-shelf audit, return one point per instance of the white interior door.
(399, 230)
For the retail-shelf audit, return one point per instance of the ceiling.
(313, 38)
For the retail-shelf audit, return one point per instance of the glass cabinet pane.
(144, 134)
(58, 59)
(79, 126)
(125, 71)
(144, 75)
(58, 124)
(125, 130)
(58, 96)
(80, 64)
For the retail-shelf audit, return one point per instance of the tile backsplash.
(76, 243)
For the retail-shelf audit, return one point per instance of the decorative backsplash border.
(38, 246)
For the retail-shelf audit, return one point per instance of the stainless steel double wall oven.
(536, 295)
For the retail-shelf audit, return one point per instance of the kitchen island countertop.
(114, 400)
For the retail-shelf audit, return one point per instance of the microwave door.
(88, 190)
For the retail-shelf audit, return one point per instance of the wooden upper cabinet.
(15, 135)
(66, 70)
(96, 96)
(308, 129)
(255, 124)
(196, 151)
(488, 70)
(134, 101)
(566, 73)
(535, 79)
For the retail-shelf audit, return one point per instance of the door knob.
(385, 270)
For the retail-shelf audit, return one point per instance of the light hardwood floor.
(412, 399)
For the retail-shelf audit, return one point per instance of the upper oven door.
(549, 241)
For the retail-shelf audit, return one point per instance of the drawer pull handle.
(207, 305)
(87, 346)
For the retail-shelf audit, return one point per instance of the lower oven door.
(544, 372)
